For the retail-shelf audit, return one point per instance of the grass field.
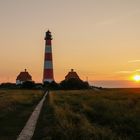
(111, 114)
(15, 108)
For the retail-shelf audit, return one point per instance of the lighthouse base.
(48, 80)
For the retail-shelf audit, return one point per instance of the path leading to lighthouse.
(28, 130)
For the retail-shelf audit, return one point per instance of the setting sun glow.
(136, 78)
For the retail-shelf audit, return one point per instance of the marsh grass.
(15, 108)
(111, 114)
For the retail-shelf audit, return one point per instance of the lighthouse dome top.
(48, 31)
(48, 35)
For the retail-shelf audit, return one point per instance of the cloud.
(134, 61)
(127, 71)
(124, 72)
(138, 70)
(119, 18)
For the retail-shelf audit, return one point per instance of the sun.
(136, 78)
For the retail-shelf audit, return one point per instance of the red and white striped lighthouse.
(48, 63)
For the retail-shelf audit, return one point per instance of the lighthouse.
(48, 62)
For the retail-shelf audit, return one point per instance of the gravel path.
(28, 130)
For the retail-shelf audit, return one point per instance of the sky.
(99, 39)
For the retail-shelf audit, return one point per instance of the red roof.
(24, 76)
(71, 74)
